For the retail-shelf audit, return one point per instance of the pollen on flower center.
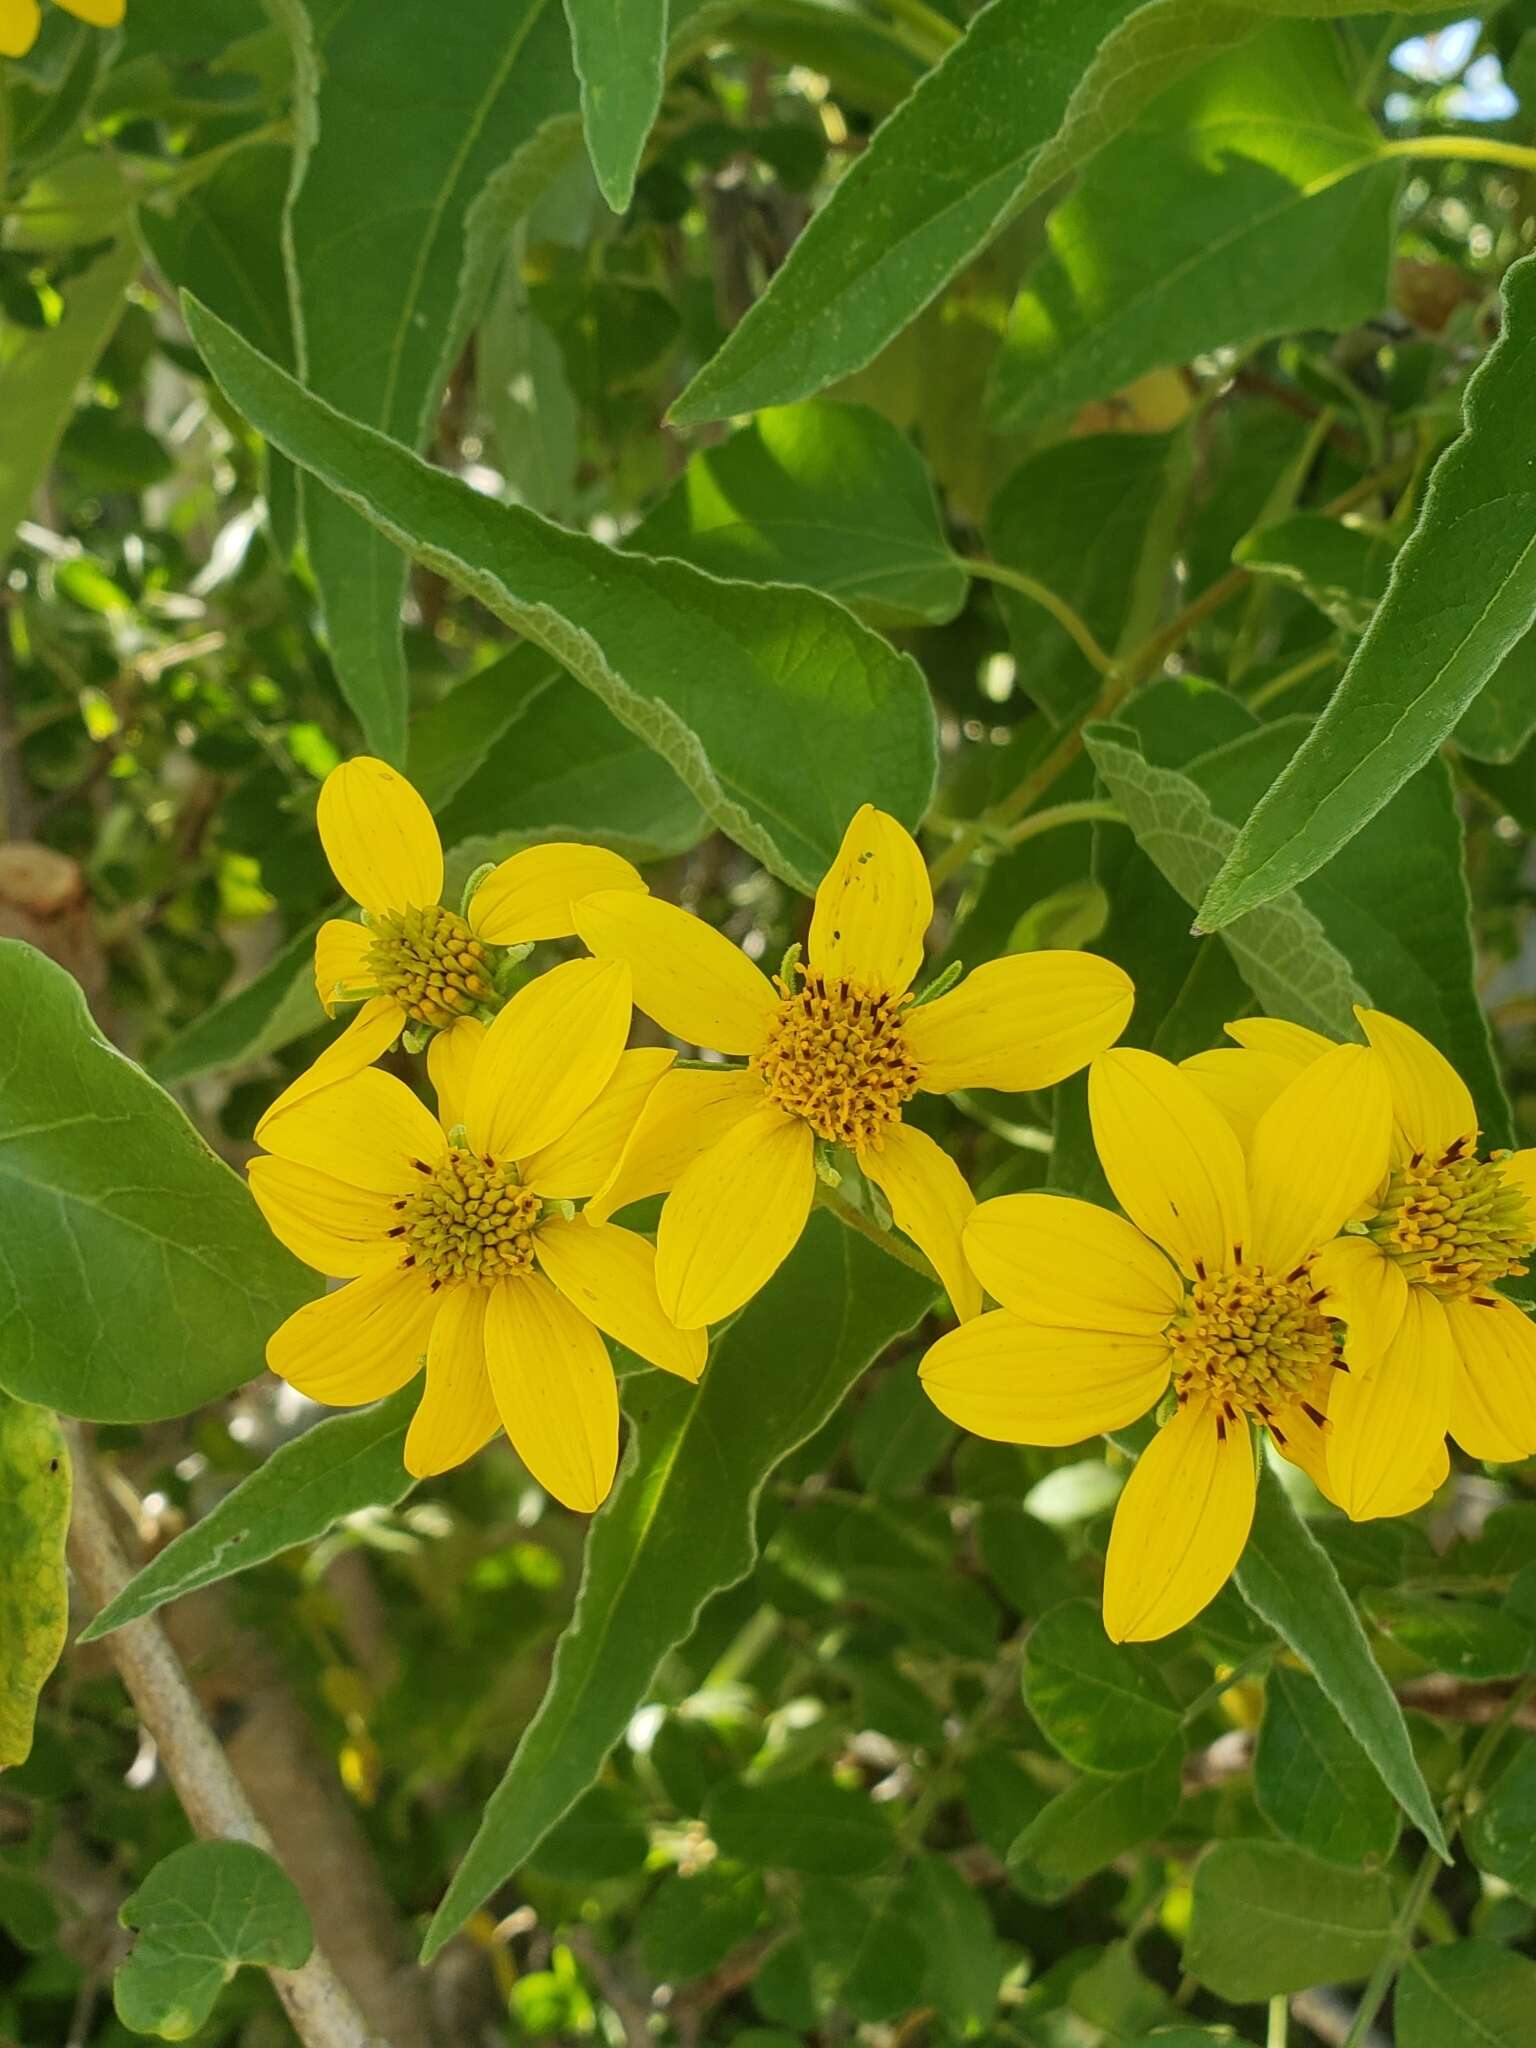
(838, 1057)
(430, 962)
(1250, 1340)
(1455, 1224)
(469, 1220)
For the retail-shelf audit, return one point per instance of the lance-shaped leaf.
(115, 1220)
(679, 1525)
(618, 46)
(1288, 1579)
(34, 1590)
(1463, 591)
(777, 708)
(340, 1466)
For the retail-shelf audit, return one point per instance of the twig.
(317, 2004)
(1042, 595)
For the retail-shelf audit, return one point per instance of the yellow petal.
(1241, 1084)
(554, 1389)
(684, 1116)
(379, 837)
(1171, 1157)
(369, 1131)
(1026, 1021)
(1300, 1433)
(530, 896)
(1385, 1424)
(451, 1060)
(688, 976)
(547, 1057)
(1320, 1151)
(457, 1412)
(20, 21)
(1493, 1403)
(1180, 1525)
(99, 13)
(1366, 1291)
(337, 1229)
(734, 1216)
(367, 1038)
(872, 908)
(1306, 1445)
(1433, 1104)
(358, 1344)
(340, 976)
(1021, 1383)
(930, 1200)
(1279, 1039)
(584, 1157)
(1071, 1265)
(610, 1275)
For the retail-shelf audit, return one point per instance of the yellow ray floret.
(1207, 1284)
(20, 20)
(413, 961)
(456, 1240)
(835, 1052)
(1433, 1344)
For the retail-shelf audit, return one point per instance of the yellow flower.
(457, 1242)
(20, 20)
(834, 1053)
(1095, 1321)
(413, 961)
(1432, 1345)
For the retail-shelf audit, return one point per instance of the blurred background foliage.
(836, 1816)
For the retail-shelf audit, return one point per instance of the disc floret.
(468, 1220)
(1250, 1341)
(1454, 1224)
(836, 1055)
(430, 962)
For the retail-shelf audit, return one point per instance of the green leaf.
(1249, 220)
(1092, 519)
(1465, 1994)
(269, 1012)
(1501, 1834)
(823, 494)
(1281, 949)
(200, 1914)
(691, 1923)
(385, 294)
(1095, 1820)
(220, 242)
(866, 1951)
(1289, 1581)
(652, 638)
(1463, 592)
(601, 1837)
(34, 1587)
(803, 1823)
(1032, 90)
(1341, 569)
(336, 1468)
(115, 1218)
(1266, 1918)
(1313, 1782)
(898, 1435)
(1501, 718)
(41, 369)
(618, 52)
(965, 1957)
(697, 1460)
(1104, 1705)
(1455, 1636)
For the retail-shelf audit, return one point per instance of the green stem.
(934, 29)
(1279, 2021)
(1046, 598)
(888, 1241)
(1082, 812)
(1290, 677)
(1256, 1660)
(1453, 1811)
(1466, 148)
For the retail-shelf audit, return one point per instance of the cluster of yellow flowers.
(1309, 1248)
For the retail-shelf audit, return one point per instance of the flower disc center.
(1455, 1225)
(469, 1221)
(430, 962)
(838, 1058)
(1249, 1340)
